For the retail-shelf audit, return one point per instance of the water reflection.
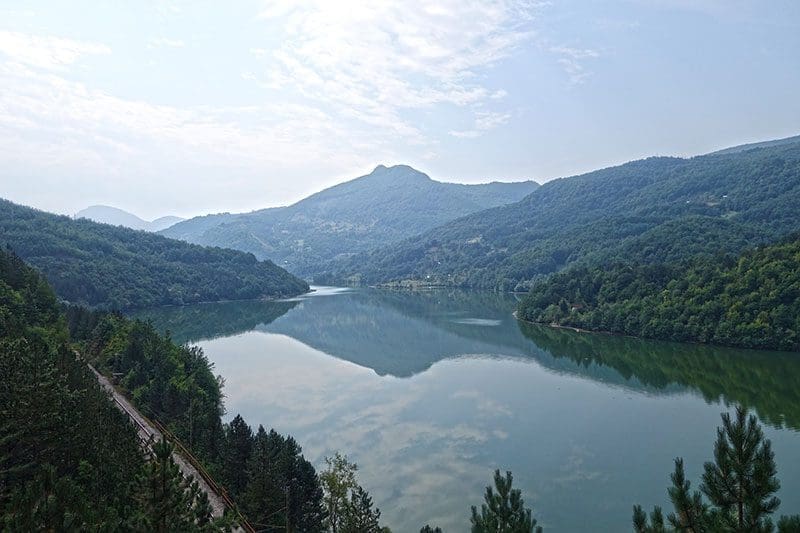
(403, 333)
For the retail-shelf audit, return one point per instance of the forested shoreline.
(112, 267)
(750, 301)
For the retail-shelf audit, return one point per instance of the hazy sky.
(192, 107)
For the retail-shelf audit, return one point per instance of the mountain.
(642, 210)
(115, 267)
(762, 144)
(384, 206)
(751, 301)
(117, 217)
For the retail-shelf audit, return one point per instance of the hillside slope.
(643, 210)
(110, 266)
(384, 206)
(751, 301)
(118, 217)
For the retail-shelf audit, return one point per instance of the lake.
(430, 392)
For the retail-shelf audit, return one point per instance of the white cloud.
(373, 61)
(46, 52)
(484, 121)
(572, 61)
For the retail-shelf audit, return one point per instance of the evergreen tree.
(504, 510)
(264, 497)
(691, 514)
(741, 481)
(655, 524)
(237, 451)
(168, 501)
(428, 529)
(740, 484)
(307, 498)
(789, 524)
(359, 516)
(47, 503)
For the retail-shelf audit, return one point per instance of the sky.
(185, 108)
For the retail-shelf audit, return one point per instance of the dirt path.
(147, 432)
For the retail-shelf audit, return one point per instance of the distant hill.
(382, 207)
(115, 267)
(643, 210)
(118, 217)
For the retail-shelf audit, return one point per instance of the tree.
(741, 481)
(789, 524)
(170, 502)
(359, 516)
(237, 451)
(337, 482)
(504, 510)
(740, 484)
(428, 529)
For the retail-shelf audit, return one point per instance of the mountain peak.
(118, 217)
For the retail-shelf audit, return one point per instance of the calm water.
(430, 392)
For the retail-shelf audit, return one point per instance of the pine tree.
(167, 500)
(359, 516)
(741, 481)
(237, 451)
(504, 511)
(428, 529)
(691, 514)
(740, 484)
(264, 498)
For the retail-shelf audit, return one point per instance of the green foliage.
(504, 510)
(237, 452)
(70, 460)
(168, 500)
(282, 488)
(650, 210)
(385, 206)
(68, 457)
(741, 481)
(106, 266)
(428, 529)
(751, 301)
(789, 524)
(740, 485)
(338, 481)
(359, 516)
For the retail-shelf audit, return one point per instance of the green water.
(430, 392)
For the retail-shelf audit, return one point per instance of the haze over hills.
(647, 210)
(385, 206)
(118, 217)
(99, 265)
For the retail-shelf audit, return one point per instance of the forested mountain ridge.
(751, 301)
(715, 203)
(115, 267)
(118, 217)
(384, 206)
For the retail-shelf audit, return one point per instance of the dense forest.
(642, 210)
(385, 206)
(752, 300)
(118, 268)
(69, 460)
